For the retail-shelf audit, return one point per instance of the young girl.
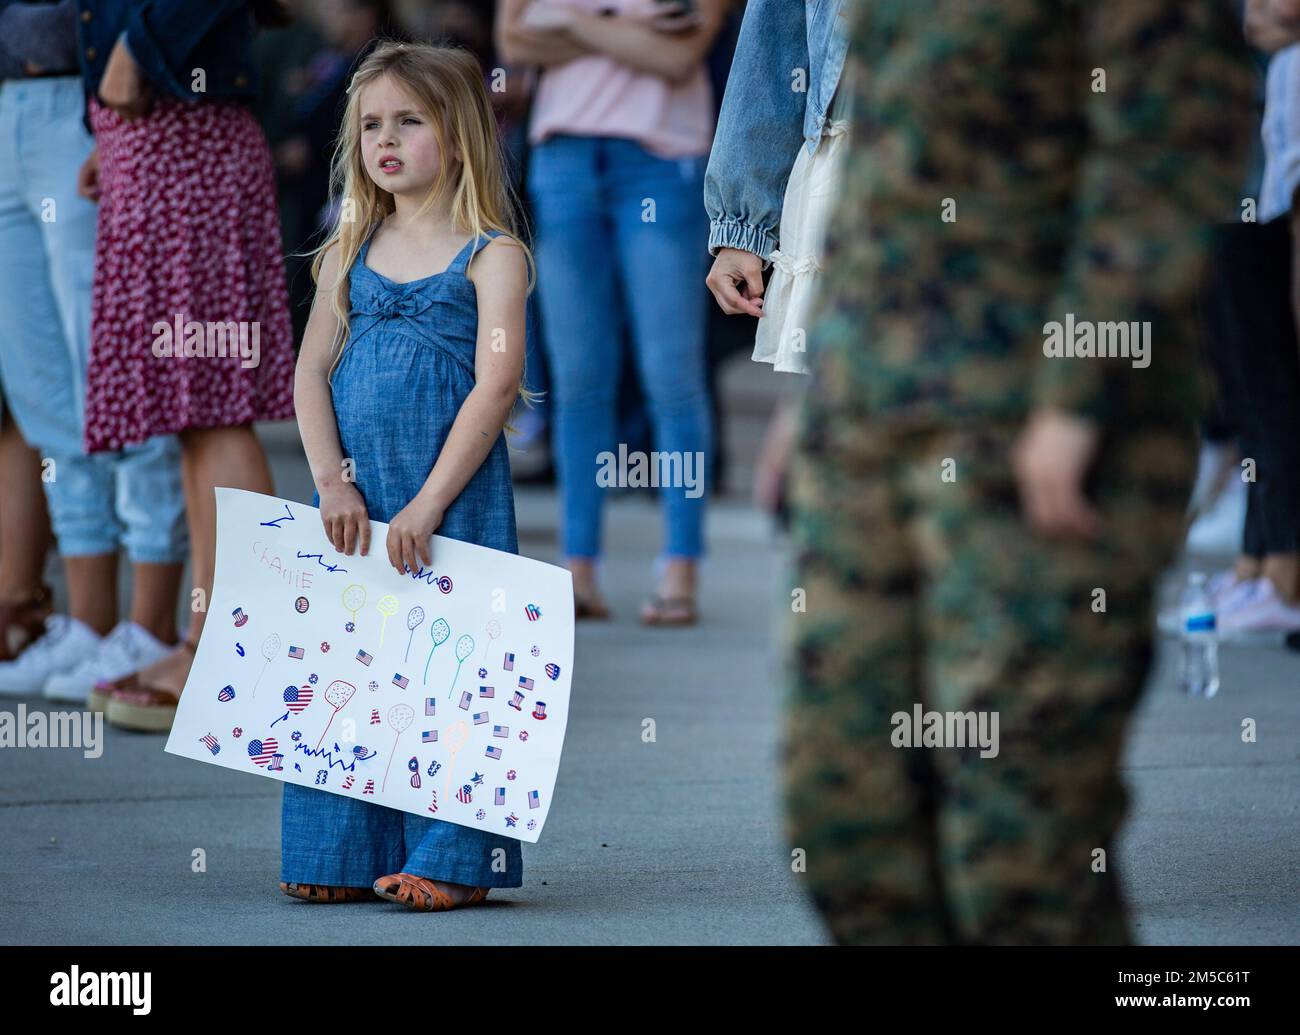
(411, 361)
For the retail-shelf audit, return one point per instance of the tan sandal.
(669, 611)
(327, 893)
(133, 704)
(422, 894)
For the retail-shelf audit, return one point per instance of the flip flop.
(327, 893)
(422, 894)
(659, 611)
(133, 704)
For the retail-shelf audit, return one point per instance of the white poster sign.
(444, 692)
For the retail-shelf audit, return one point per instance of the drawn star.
(477, 779)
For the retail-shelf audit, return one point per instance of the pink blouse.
(595, 95)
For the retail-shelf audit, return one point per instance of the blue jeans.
(621, 241)
(332, 839)
(47, 261)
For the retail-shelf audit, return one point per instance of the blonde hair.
(448, 84)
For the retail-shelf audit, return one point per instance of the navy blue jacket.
(171, 40)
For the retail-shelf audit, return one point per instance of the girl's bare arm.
(500, 276)
(343, 511)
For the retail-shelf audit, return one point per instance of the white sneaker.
(66, 643)
(128, 648)
(1262, 611)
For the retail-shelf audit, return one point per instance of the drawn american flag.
(296, 698)
(525, 683)
(400, 680)
(492, 751)
(487, 691)
(428, 736)
(480, 718)
(509, 663)
(465, 698)
(533, 801)
(501, 731)
(430, 706)
(260, 751)
(365, 658)
(296, 652)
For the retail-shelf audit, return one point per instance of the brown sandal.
(28, 616)
(327, 893)
(422, 894)
(584, 608)
(132, 704)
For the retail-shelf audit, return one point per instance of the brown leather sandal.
(585, 608)
(28, 618)
(422, 894)
(327, 893)
(133, 704)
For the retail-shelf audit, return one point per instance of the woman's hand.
(88, 176)
(123, 87)
(343, 513)
(547, 18)
(409, 534)
(673, 16)
(736, 281)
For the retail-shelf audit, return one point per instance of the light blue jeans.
(47, 261)
(622, 242)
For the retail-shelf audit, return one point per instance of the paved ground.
(672, 842)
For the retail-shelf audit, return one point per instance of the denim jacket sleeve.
(162, 34)
(760, 128)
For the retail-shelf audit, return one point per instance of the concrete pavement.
(672, 842)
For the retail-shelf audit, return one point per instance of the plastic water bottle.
(1199, 662)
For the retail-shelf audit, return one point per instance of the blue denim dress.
(406, 370)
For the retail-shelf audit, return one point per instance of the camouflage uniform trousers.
(932, 591)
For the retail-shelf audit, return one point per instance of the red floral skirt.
(190, 314)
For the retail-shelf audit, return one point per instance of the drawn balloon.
(270, 648)
(414, 618)
(400, 717)
(354, 599)
(464, 648)
(439, 632)
(493, 631)
(337, 694)
(387, 607)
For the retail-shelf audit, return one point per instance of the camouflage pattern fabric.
(927, 347)
(921, 590)
(1063, 200)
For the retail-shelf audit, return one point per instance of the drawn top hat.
(539, 709)
(240, 618)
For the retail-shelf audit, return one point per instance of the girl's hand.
(409, 534)
(343, 513)
(88, 177)
(123, 87)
